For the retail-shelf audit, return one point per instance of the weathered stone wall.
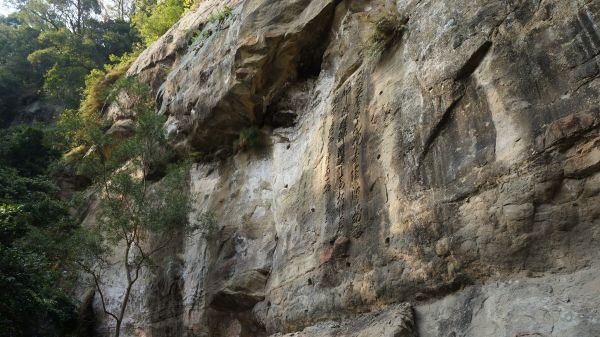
(457, 173)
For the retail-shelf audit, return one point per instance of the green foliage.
(249, 139)
(34, 223)
(39, 197)
(48, 49)
(221, 15)
(44, 52)
(100, 87)
(152, 20)
(110, 152)
(64, 50)
(227, 12)
(113, 37)
(206, 223)
(81, 129)
(12, 224)
(387, 29)
(30, 303)
(17, 77)
(200, 34)
(69, 58)
(132, 206)
(218, 17)
(26, 149)
(56, 14)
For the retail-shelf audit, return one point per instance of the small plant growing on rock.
(221, 15)
(206, 223)
(249, 138)
(388, 28)
(227, 11)
(199, 34)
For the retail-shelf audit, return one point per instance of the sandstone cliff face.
(449, 186)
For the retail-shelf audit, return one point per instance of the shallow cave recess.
(283, 110)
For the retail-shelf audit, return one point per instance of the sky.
(4, 8)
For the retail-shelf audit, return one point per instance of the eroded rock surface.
(464, 155)
(554, 305)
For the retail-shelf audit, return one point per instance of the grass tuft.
(387, 29)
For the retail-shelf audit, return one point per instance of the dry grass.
(387, 29)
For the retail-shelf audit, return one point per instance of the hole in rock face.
(310, 58)
(310, 282)
(309, 65)
(288, 146)
(280, 119)
(347, 264)
(387, 241)
(312, 210)
(269, 304)
(286, 186)
(378, 156)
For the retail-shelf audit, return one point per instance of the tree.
(120, 9)
(152, 19)
(68, 58)
(27, 149)
(56, 14)
(18, 79)
(34, 223)
(133, 207)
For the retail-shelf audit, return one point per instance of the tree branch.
(99, 288)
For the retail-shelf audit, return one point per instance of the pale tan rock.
(465, 154)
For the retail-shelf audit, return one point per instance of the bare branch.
(98, 287)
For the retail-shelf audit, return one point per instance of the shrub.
(99, 84)
(387, 29)
(115, 151)
(101, 88)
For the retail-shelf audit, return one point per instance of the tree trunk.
(118, 328)
(130, 282)
(79, 16)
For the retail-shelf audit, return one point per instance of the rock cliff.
(445, 185)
